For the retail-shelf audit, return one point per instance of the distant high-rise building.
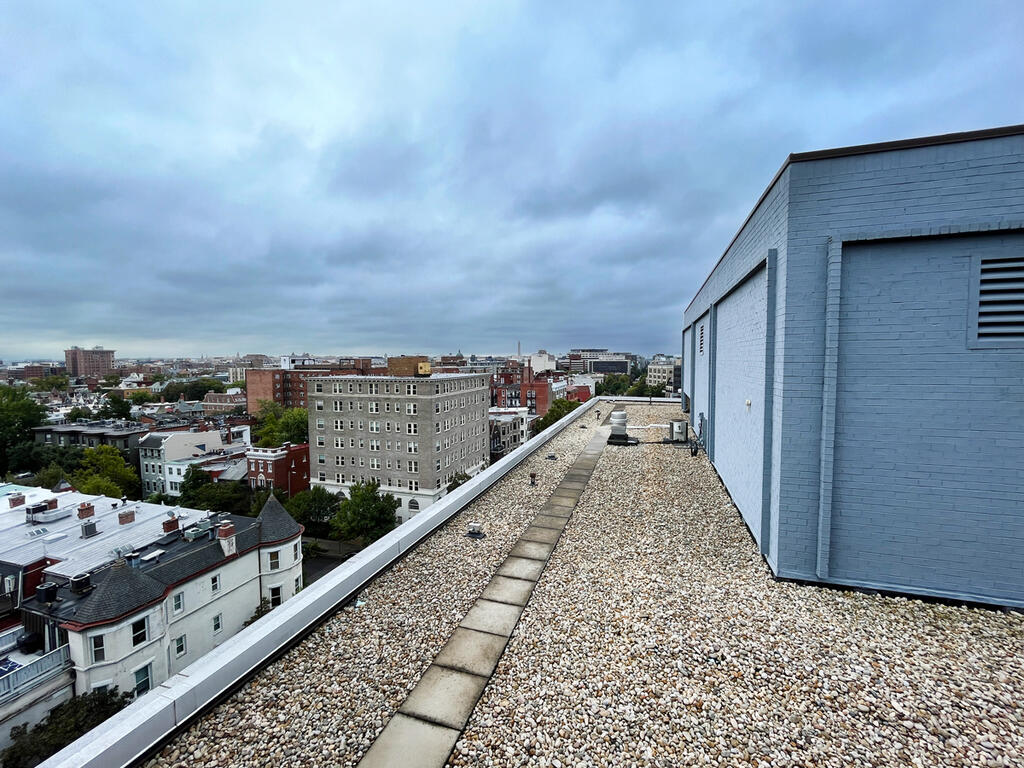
(96, 362)
(412, 435)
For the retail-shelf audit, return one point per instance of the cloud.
(395, 177)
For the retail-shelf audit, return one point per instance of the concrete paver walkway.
(424, 731)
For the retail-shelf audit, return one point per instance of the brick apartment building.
(285, 466)
(96, 362)
(287, 386)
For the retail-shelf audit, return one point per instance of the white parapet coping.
(142, 725)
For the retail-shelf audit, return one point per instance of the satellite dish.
(170, 513)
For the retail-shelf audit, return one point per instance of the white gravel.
(657, 637)
(327, 700)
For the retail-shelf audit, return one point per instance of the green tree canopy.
(31, 457)
(116, 407)
(613, 384)
(79, 412)
(95, 485)
(278, 425)
(642, 389)
(237, 385)
(195, 480)
(19, 413)
(234, 498)
(458, 479)
(105, 461)
(141, 398)
(558, 409)
(111, 380)
(65, 723)
(314, 509)
(365, 514)
(48, 383)
(192, 390)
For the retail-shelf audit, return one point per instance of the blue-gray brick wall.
(911, 193)
(739, 428)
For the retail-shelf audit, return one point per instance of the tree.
(161, 498)
(65, 723)
(95, 485)
(79, 412)
(141, 398)
(116, 407)
(111, 380)
(278, 425)
(366, 513)
(48, 383)
(261, 610)
(105, 461)
(18, 415)
(314, 509)
(459, 478)
(613, 384)
(237, 385)
(558, 409)
(195, 480)
(231, 497)
(192, 390)
(49, 476)
(31, 457)
(642, 389)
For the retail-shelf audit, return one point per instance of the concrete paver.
(496, 618)
(444, 696)
(532, 549)
(521, 568)
(543, 535)
(505, 590)
(411, 743)
(472, 651)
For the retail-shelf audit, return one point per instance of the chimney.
(16, 500)
(51, 503)
(85, 509)
(226, 536)
(126, 516)
(171, 525)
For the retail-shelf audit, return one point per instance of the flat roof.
(861, 149)
(22, 543)
(411, 379)
(655, 631)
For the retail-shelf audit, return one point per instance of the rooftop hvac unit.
(10, 582)
(89, 529)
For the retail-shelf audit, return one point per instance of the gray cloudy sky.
(420, 177)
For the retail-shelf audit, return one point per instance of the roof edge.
(860, 149)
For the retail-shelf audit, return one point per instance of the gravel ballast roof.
(656, 636)
(325, 701)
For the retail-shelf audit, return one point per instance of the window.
(411, 428)
(139, 633)
(319, 405)
(339, 442)
(997, 310)
(99, 653)
(180, 646)
(413, 447)
(339, 424)
(339, 461)
(295, 551)
(218, 623)
(414, 485)
(414, 466)
(373, 388)
(374, 463)
(338, 406)
(142, 680)
(410, 389)
(318, 386)
(374, 426)
(179, 602)
(320, 441)
(215, 584)
(410, 409)
(414, 506)
(373, 407)
(437, 427)
(275, 596)
(275, 560)
(701, 341)
(298, 584)
(321, 458)
(319, 423)
(374, 445)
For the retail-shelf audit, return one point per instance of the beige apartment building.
(410, 434)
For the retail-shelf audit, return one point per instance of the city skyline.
(386, 178)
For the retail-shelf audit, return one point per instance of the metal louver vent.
(1001, 299)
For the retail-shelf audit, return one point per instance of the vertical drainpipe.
(712, 377)
(764, 545)
(833, 282)
(693, 367)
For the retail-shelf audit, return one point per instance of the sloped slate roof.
(275, 522)
(120, 591)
